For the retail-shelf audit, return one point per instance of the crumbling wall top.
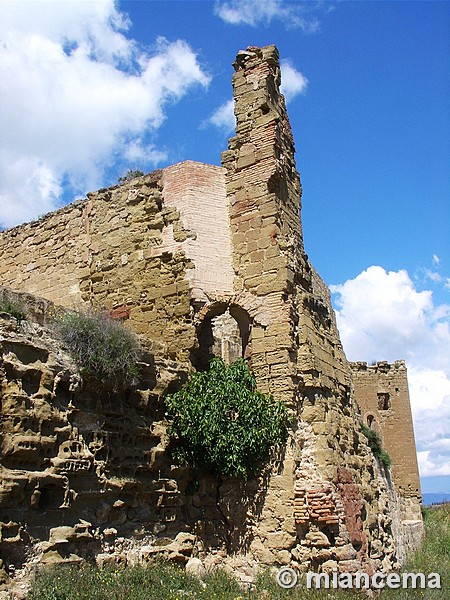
(381, 366)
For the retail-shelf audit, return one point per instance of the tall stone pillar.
(326, 493)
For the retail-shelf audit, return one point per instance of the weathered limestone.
(199, 261)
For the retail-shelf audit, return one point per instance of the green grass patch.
(130, 175)
(13, 308)
(164, 581)
(375, 444)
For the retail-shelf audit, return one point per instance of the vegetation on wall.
(375, 444)
(15, 309)
(222, 423)
(101, 346)
(130, 174)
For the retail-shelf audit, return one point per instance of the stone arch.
(372, 422)
(223, 330)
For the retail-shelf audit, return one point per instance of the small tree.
(222, 423)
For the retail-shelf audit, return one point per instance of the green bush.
(130, 174)
(102, 347)
(385, 458)
(15, 309)
(222, 423)
(375, 444)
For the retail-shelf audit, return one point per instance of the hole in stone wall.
(330, 533)
(384, 401)
(224, 332)
(26, 354)
(31, 382)
(51, 497)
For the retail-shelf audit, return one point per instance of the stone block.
(311, 414)
(317, 539)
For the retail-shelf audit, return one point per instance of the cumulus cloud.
(77, 96)
(223, 118)
(382, 316)
(294, 15)
(293, 83)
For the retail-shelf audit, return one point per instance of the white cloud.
(433, 275)
(430, 402)
(223, 118)
(78, 95)
(292, 83)
(294, 15)
(382, 316)
(436, 260)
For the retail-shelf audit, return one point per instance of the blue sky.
(90, 89)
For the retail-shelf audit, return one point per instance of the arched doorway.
(224, 331)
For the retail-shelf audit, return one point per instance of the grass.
(163, 581)
(15, 309)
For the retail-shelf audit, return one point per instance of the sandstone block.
(280, 540)
(317, 539)
(329, 566)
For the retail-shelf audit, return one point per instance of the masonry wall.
(49, 257)
(141, 249)
(382, 392)
(330, 489)
(174, 253)
(85, 473)
(197, 192)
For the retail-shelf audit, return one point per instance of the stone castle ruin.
(200, 261)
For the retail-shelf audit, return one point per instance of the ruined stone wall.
(382, 392)
(127, 248)
(49, 257)
(336, 507)
(87, 474)
(197, 192)
(199, 260)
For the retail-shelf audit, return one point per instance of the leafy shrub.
(375, 444)
(222, 423)
(130, 174)
(15, 309)
(101, 346)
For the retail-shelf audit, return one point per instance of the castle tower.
(382, 392)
